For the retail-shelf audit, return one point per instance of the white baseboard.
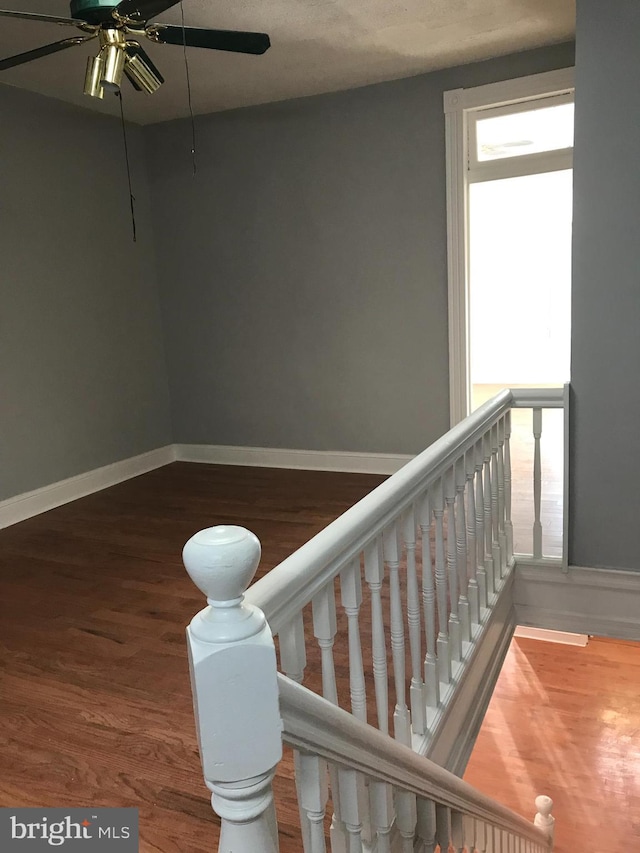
(275, 457)
(547, 636)
(602, 602)
(28, 504)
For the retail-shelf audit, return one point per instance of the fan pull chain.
(186, 66)
(126, 155)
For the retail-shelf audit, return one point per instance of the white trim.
(32, 503)
(545, 635)
(509, 91)
(566, 391)
(276, 457)
(603, 602)
(456, 148)
(518, 167)
(457, 104)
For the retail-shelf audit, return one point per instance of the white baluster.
(382, 813)
(416, 690)
(351, 593)
(457, 832)
(443, 826)
(351, 807)
(374, 575)
(492, 568)
(469, 833)
(432, 684)
(496, 840)
(401, 720)
(324, 628)
(481, 836)
(501, 494)
(293, 660)
(455, 636)
(444, 654)
(426, 825)
(537, 483)
(544, 820)
(472, 559)
(495, 521)
(313, 794)
(293, 652)
(485, 590)
(234, 682)
(508, 524)
(461, 551)
(406, 818)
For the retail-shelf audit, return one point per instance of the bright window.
(516, 134)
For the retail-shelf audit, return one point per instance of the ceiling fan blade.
(233, 40)
(141, 11)
(50, 19)
(21, 58)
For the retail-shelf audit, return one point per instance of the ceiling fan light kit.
(119, 28)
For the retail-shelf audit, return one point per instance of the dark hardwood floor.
(95, 704)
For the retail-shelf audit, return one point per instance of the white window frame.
(462, 107)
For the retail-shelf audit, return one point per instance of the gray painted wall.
(605, 464)
(303, 270)
(82, 375)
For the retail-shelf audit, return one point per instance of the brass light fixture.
(93, 78)
(117, 56)
(140, 70)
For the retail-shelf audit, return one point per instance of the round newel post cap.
(221, 561)
(544, 805)
(544, 820)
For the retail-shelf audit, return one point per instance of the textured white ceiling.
(317, 46)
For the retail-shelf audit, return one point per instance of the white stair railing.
(424, 556)
(428, 557)
(380, 789)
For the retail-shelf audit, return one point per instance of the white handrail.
(544, 398)
(312, 724)
(291, 585)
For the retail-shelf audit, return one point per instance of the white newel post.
(544, 820)
(235, 692)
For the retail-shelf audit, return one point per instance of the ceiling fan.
(119, 28)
